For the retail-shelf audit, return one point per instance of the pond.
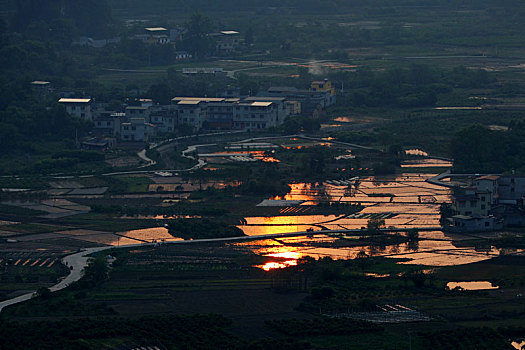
(518, 344)
(471, 285)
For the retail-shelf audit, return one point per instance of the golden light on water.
(277, 265)
(272, 265)
(288, 255)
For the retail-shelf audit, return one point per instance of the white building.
(256, 115)
(164, 119)
(138, 112)
(79, 107)
(108, 123)
(230, 113)
(137, 129)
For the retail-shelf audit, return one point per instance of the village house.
(320, 96)
(154, 35)
(108, 123)
(79, 107)
(230, 113)
(492, 202)
(137, 129)
(226, 41)
(164, 118)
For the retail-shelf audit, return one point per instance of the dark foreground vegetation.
(169, 332)
(180, 285)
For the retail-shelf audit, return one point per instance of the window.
(473, 203)
(133, 128)
(462, 204)
(487, 224)
(482, 198)
(483, 207)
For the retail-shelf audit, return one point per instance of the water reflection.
(472, 285)
(147, 235)
(518, 344)
(430, 252)
(291, 260)
(426, 163)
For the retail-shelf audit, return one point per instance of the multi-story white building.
(256, 115)
(137, 129)
(191, 111)
(79, 107)
(108, 123)
(138, 112)
(230, 113)
(164, 119)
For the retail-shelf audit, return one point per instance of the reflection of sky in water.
(154, 234)
(472, 285)
(406, 188)
(428, 252)
(422, 163)
(415, 204)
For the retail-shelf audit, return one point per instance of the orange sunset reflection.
(291, 260)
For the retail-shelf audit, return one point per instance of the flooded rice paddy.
(472, 285)
(403, 201)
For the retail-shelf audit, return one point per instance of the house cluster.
(226, 41)
(493, 202)
(145, 120)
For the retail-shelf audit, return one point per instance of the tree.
(248, 37)
(97, 270)
(197, 41)
(362, 259)
(375, 224)
(43, 293)
(413, 235)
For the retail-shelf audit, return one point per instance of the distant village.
(226, 41)
(145, 120)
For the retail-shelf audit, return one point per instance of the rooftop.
(156, 29)
(40, 82)
(74, 100)
(261, 104)
(229, 32)
(199, 99)
(189, 102)
(264, 99)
